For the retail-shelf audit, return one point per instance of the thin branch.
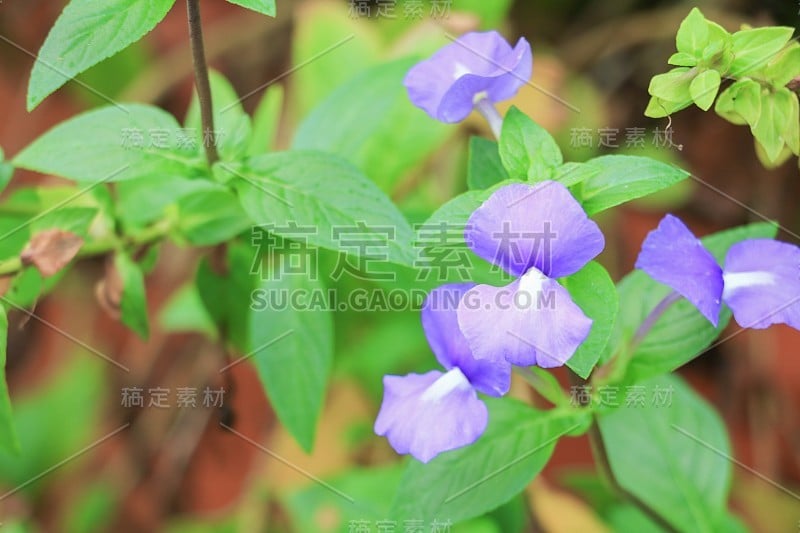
(201, 81)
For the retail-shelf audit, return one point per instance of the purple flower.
(476, 66)
(536, 233)
(760, 281)
(427, 414)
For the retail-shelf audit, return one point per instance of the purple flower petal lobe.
(522, 226)
(440, 322)
(532, 321)
(427, 414)
(762, 283)
(672, 255)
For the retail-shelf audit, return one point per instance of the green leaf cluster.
(760, 62)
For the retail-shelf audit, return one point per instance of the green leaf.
(226, 295)
(740, 103)
(704, 88)
(84, 34)
(322, 191)
(210, 217)
(527, 150)
(787, 100)
(776, 110)
(753, 48)
(72, 219)
(266, 120)
(8, 435)
(99, 146)
(784, 67)
(692, 36)
(133, 303)
(621, 178)
(484, 166)
(593, 291)
(491, 14)
(329, 48)
(6, 171)
(682, 59)
(231, 123)
(659, 108)
(473, 480)
(371, 122)
(673, 86)
(25, 288)
(572, 173)
(265, 7)
(293, 352)
(361, 494)
(452, 218)
(681, 333)
(184, 311)
(674, 456)
(67, 400)
(145, 200)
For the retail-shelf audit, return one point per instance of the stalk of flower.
(760, 280)
(477, 70)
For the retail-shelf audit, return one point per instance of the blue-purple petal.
(440, 322)
(762, 283)
(672, 255)
(532, 321)
(427, 414)
(522, 226)
(446, 85)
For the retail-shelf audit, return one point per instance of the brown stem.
(201, 81)
(603, 464)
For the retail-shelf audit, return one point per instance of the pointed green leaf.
(673, 453)
(704, 88)
(672, 86)
(473, 480)
(484, 166)
(740, 103)
(266, 120)
(265, 7)
(682, 59)
(527, 150)
(370, 121)
(321, 191)
(133, 303)
(776, 110)
(87, 32)
(785, 66)
(110, 144)
(621, 178)
(692, 36)
(293, 352)
(8, 435)
(593, 291)
(210, 217)
(753, 48)
(231, 123)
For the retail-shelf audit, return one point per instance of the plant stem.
(101, 246)
(201, 81)
(487, 109)
(603, 463)
(652, 318)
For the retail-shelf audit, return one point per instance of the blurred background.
(177, 470)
